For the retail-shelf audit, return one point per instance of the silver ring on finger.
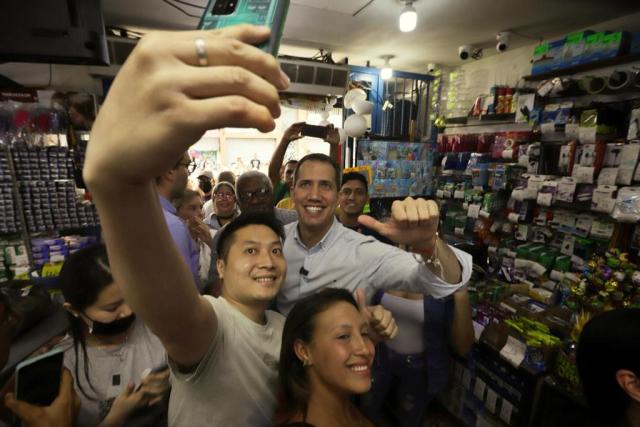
(201, 52)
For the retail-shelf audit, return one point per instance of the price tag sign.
(505, 411)
(514, 351)
(477, 330)
(571, 131)
(479, 388)
(492, 399)
(587, 135)
(474, 211)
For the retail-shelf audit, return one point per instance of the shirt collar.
(167, 206)
(325, 241)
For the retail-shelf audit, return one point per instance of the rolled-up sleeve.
(391, 268)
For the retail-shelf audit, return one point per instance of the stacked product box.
(16, 260)
(51, 205)
(52, 250)
(37, 163)
(9, 223)
(582, 47)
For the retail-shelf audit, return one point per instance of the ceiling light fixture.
(386, 72)
(408, 17)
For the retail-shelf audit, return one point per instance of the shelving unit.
(590, 66)
(514, 238)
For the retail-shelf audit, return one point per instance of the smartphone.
(38, 378)
(268, 13)
(315, 131)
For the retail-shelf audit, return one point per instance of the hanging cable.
(50, 76)
(197, 6)
(180, 9)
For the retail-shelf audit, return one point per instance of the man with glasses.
(170, 185)
(352, 198)
(255, 194)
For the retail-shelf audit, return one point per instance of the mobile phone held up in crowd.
(314, 131)
(38, 378)
(268, 13)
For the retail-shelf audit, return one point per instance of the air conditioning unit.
(119, 49)
(315, 78)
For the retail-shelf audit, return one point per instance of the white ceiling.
(443, 25)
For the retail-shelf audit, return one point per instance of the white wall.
(507, 68)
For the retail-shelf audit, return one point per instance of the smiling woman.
(325, 358)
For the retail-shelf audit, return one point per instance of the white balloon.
(355, 126)
(324, 115)
(362, 107)
(351, 96)
(324, 123)
(332, 101)
(343, 135)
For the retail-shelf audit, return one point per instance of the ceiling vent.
(119, 50)
(315, 78)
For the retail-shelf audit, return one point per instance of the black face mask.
(112, 328)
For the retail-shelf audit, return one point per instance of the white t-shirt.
(111, 370)
(235, 383)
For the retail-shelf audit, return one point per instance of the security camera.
(464, 51)
(503, 41)
(431, 67)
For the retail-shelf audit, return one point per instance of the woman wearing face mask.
(325, 360)
(108, 352)
(189, 209)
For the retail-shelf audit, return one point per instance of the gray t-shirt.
(235, 383)
(111, 370)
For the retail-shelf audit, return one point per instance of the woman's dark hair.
(249, 218)
(608, 343)
(300, 324)
(83, 276)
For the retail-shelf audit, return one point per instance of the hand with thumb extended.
(383, 325)
(413, 222)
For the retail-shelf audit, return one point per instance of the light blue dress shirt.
(185, 244)
(350, 260)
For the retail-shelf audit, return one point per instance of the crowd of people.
(216, 307)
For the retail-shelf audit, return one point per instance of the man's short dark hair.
(225, 238)
(608, 343)
(290, 161)
(318, 157)
(354, 176)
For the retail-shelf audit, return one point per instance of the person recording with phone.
(108, 349)
(281, 176)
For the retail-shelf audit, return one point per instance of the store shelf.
(457, 120)
(625, 59)
(585, 100)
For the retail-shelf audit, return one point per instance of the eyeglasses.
(357, 192)
(224, 196)
(260, 193)
(191, 166)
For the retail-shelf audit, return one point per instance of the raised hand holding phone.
(268, 13)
